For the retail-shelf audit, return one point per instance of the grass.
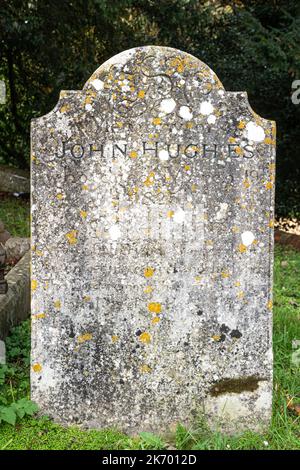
(284, 432)
(14, 213)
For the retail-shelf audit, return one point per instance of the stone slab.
(152, 227)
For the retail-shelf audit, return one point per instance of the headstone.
(14, 180)
(152, 232)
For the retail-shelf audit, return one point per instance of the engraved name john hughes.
(159, 149)
(152, 246)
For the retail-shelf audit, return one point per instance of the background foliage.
(47, 46)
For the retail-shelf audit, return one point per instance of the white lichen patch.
(167, 105)
(255, 132)
(97, 84)
(206, 108)
(179, 216)
(163, 155)
(247, 238)
(211, 119)
(185, 113)
(222, 212)
(114, 232)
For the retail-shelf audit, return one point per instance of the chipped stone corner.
(237, 412)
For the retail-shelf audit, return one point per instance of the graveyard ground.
(40, 433)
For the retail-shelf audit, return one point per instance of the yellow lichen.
(189, 125)
(241, 125)
(216, 337)
(115, 338)
(145, 369)
(270, 304)
(145, 337)
(187, 167)
(39, 315)
(149, 181)
(170, 214)
(242, 248)
(84, 187)
(237, 284)
(34, 285)
(239, 150)
(269, 185)
(85, 337)
(83, 214)
(87, 298)
(271, 223)
(155, 320)
(272, 167)
(37, 367)
(71, 237)
(133, 154)
(269, 141)
(148, 290)
(225, 274)
(59, 196)
(154, 307)
(64, 108)
(246, 183)
(232, 140)
(148, 272)
(141, 94)
(88, 100)
(156, 121)
(57, 304)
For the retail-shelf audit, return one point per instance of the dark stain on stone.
(244, 384)
(235, 334)
(224, 328)
(138, 332)
(200, 312)
(222, 338)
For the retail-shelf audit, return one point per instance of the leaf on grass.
(8, 415)
(293, 407)
(25, 406)
(152, 440)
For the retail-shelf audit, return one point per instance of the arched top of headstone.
(140, 79)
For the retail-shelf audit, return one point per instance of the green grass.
(14, 213)
(284, 432)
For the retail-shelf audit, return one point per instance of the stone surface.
(2, 352)
(16, 247)
(4, 236)
(15, 304)
(152, 227)
(14, 180)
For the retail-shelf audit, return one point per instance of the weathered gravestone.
(152, 227)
